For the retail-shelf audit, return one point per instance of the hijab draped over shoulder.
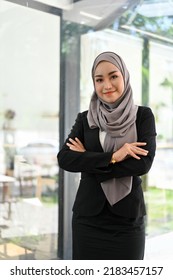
(118, 121)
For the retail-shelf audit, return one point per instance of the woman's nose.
(107, 84)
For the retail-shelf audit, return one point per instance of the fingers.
(78, 141)
(139, 151)
(139, 144)
(135, 151)
(76, 145)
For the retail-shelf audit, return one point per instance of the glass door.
(29, 124)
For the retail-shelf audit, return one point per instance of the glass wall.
(29, 125)
(160, 192)
(158, 189)
(45, 64)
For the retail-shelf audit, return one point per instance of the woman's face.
(108, 82)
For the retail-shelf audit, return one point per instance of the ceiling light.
(90, 15)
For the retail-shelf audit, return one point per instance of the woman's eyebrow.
(110, 73)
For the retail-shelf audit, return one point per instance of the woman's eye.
(114, 77)
(99, 80)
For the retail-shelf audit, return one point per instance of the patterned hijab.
(118, 120)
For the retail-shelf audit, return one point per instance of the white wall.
(29, 67)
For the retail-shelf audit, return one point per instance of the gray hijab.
(118, 120)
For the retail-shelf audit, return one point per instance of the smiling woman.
(108, 81)
(50, 51)
(111, 144)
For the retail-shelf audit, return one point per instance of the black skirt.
(108, 237)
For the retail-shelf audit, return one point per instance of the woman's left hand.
(76, 145)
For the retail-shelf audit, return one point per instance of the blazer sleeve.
(132, 167)
(88, 161)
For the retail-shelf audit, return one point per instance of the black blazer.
(95, 167)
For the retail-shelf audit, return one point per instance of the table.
(5, 182)
(6, 179)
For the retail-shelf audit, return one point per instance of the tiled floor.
(159, 247)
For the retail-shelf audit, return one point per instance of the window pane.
(29, 102)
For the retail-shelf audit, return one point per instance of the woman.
(112, 145)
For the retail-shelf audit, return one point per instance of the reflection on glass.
(29, 102)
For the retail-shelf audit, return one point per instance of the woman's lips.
(108, 92)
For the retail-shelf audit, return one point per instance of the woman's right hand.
(130, 150)
(76, 145)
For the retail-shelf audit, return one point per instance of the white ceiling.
(101, 13)
(97, 13)
(62, 4)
